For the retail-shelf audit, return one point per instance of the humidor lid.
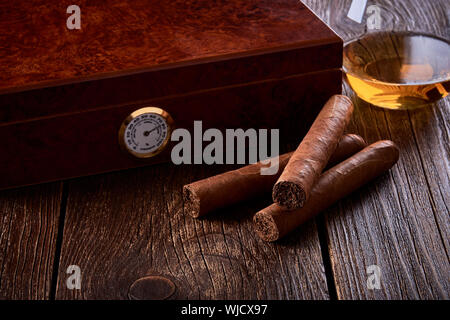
(154, 48)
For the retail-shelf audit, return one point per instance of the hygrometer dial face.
(146, 132)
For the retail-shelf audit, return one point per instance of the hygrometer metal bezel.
(137, 113)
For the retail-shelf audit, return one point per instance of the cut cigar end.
(191, 202)
(266, 227)
(288, 195)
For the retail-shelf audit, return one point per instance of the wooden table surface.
(125, 226)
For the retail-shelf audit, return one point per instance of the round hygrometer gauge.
(146, 132)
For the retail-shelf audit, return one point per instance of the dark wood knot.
(151, 288)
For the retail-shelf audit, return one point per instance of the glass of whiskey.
(393, 57)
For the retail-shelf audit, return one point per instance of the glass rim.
(411, 32)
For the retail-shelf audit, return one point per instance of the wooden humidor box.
(64, 94)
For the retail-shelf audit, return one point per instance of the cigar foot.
(266, 228)
(288, 195)
(207, 195)
(313, 153)
(274, 222)
(191, 202)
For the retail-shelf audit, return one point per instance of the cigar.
(308, 161)
(204, 196)
(274, 222)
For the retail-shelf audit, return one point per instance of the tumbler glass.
(396, 52)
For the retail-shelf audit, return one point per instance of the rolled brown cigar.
(308, 161)
(274, 222)
(231, 187)
(348, 145)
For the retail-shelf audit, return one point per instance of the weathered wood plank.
(28, 231)
(124, 226)
(401, 221)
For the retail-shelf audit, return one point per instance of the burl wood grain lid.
(124, 37)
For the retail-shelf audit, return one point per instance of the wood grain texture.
(250, 61)
(149, 85)
(401, 221)
(86, 143)
(37, 47)
(123, 227)
(127, 233)
(28, 231)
